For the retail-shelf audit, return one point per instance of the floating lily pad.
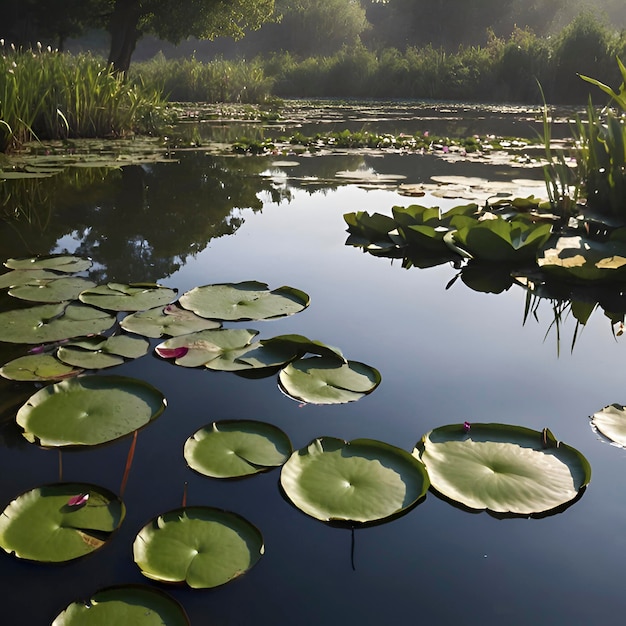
(205, 346)
(15, 278)
(38, 367)
(502, 468)
(201, 546)
(100, 352)
(51, 290)
(358, 481)
(52, 322)
(122, 297)
(44, 525)
(170, 321)
(65, 263)
(89, 410)
(248, 300)
(138, 605)
(611, 422)
(324, 380)
(235, 448)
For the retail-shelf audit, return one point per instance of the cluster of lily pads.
(508, 470)
(580, 261)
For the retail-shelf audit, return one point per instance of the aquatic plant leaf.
(100, 352)
(235, 448)
(357, 481)
(323, 380)
(502, 468)
(66, 263)
(201, 546)
(611, 422)
(169, 321)
(40, 525)
(89, 410)
(584, 259)
(500, 240)
(133, 297)
(205, 346)
(305, 345)
(15, 278)
(52, 322)
(51, 290)
(38, 367)
(367, 229)
(138, 605)
(250, 300)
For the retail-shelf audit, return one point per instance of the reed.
(45, 94)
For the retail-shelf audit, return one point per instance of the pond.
(446, 353)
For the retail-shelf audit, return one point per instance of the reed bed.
(48, 95)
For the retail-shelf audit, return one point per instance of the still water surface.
(445, 355)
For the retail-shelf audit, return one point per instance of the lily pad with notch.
(502, 468)
(360, 481)
(38, 367)
(60, 522)
(66, 263)
(100, 352)
(138, 605)
(249, 300)
(15, 278)
(128, 297)
(327, 380)
(89, 410)
(170, 321)
(46, 323)
(236, 448)
(611, 422)
(51, 290)
(201, 546)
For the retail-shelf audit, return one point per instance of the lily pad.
(235, 448)
(138, 605)
(100, 352)
(205, 346)
(611, 422)
(325, 380)
(250, 300)
(52, 322)
(502, 468)
(169, 321)
(122, 297)
(51, 290)
(89, 410)
(65, 263)
(15, 278)
(358, 481)
(201, 546)
(38, 367)
(43, 525)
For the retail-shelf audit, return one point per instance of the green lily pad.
(502, 468)
(358, 481)
(100, 352)
(138, 605)
(201, 348)
(169, 321)
(51, 290)
(122, 297)
(15, 278)
(235, 448)
(201, 546)
(65, 263)
(59, 522)
(89, 410)
(324, 380)
(248, 300)
(611, 422)
(38, 367)
(52, 322)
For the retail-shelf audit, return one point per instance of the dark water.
(445, 356)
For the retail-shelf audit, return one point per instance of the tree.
(128, 20)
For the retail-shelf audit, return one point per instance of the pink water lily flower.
(78, 500)
(172, 353)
